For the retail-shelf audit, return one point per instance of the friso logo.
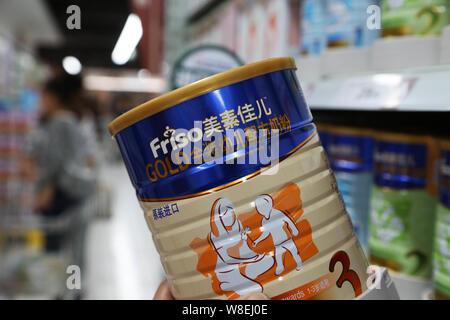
(194, 146)
(213, 147)
(176, 139)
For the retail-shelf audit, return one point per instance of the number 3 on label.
(347, 274)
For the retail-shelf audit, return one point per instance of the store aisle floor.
(121, 260)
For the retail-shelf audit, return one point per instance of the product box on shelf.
(313, 27)
(403, 204)
(441, 274)
(347, 23)
(251, 31)
(414, 17)
(351, 158)
(281, 28)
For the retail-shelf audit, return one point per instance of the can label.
(245, 238)
(402, 210)
(255, 241)
(195, 133)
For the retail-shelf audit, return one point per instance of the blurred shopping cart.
(29, 268)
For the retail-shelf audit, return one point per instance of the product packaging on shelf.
(224, 224)
(445, 46)
(313, 22)
(349, 37)
(229, 24)
(281, 28)
(351, 158)
(441, 274)
(251, 35)
(403, 203)
(347, 23)
(414, 17)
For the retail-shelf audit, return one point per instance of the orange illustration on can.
(243, 252)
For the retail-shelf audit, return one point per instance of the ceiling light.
(128, 40)
(72, 65)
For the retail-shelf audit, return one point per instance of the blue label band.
(273, 101)
(351, 153)
(400, 165)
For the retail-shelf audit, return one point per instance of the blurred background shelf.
(422, 90)
(203, 9)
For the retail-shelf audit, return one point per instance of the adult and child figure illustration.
(241, 265)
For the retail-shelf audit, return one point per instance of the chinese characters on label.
(230, 119)
(165, 211)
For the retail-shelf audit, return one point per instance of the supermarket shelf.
(424, 90)
(204, 10)
(411, 288)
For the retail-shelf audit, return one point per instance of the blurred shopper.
(59, 152)
(86, 111)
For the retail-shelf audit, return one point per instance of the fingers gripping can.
(224, 223)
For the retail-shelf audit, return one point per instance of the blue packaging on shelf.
(314, 38)
(351, 158)
(347, 23)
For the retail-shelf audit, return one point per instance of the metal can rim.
(199, 88)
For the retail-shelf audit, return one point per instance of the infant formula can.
(403, 203)
(441, 274)
(227, 228)
(351, 158)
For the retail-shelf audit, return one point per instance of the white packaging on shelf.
(445, 46)
(382, 288)
(411, 288)
(281, 27)
(229, 26)
(251, 36)
(405, 52)
(344, 61)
